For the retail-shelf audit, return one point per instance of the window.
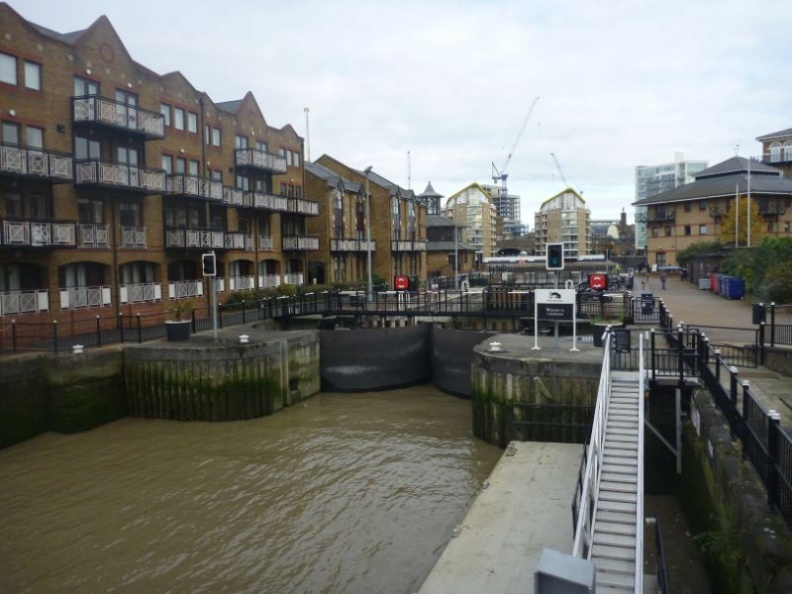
(32, 76)
(193, 167)
(787, 226)
(775, 152)
(130, 214)
(10, 133)
(217, 175)
(216, 136)
(83, 86)
(167, 164)
(165, 110)
(90, 211)
(288, 158)
(34, 137)
(178, 118)
(181, 165)
(192, 122)
(702, 229)
(688, 207)
(702, 205)
(687, 229)
(240, 142)
(283, 189)
(282, 153)
(13, 207)
(86, 149)
(668, 231)
(261, 146)
(8, 69)
(242, 183)
(296, 159)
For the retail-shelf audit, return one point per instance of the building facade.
(695, 212)
(656, 179)
(507, 207)
(114, 180)
(565, 219)
(398, 223)
(472, 208)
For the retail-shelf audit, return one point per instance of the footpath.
(727, 321)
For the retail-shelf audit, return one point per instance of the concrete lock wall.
(221, 383)
(746, 547)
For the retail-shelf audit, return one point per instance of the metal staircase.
(608, 504)
(617, 536)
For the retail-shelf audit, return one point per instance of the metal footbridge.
(608, 503)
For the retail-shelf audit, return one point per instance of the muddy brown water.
(344, 493)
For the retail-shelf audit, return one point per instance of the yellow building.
(472, 208)
(565, 219)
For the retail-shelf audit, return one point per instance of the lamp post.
(369, 292)
(456, 256)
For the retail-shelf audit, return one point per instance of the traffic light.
(209, 264)
(555, 256)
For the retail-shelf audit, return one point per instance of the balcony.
(351, 245)
(300, 244)
(119, 175)
(93, 110)
(38, 234)
(140, 293)
(241, 283)
(234, 197)
(194, 238)
(265, 243)
(193, 186)
(772, 209)
(717, 212)
(94, 235)
(238, 241)
(269, 281)
(185, 289)
(257, 159)
(293, 278)
(35, 163)
(408, 246)
(84, 297)
(23, 302)
(306, 207)
(661, 217)
(133, 238)
(267, 201)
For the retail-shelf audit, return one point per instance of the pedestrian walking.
(662, 280)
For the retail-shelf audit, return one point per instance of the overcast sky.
(427, 90)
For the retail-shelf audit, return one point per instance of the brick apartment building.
(114, 180)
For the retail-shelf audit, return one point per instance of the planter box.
(178, 331)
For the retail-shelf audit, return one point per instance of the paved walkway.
(727, 321)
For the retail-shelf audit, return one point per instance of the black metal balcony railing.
(34, 162)
(717, 212)
(93, 109)
(120, 175)
(259, 159)
(195, 186)
(772, 209)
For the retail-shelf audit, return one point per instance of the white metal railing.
(260, 159)
(36, 162)
(22, 302)
(267, 201)
(590, 479)
(84, 297)
(192, 185)
(293, 278)
(299, 206)
(267, 281)
(203, 238)
(300, 243)
(241, 283)
(639, 511)
(234, 197)
(408, 246)
(266, 243)
(133, 237)
(119, 174)
(238, 241)
(94, 235)
(185, 289)
(140, 293)
(351, 245)
(93, 108)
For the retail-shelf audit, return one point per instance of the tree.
(726, 234)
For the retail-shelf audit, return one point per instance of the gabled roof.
(229, 106)
(776, 135)
(471, 186)
(331, 177)
(429, 192)
(567, 190)
(67, 38)
(739, 165)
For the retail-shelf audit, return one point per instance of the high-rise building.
(565, 219)
(655, 179)
(472, 207)
(507, 207)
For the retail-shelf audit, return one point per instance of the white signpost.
(555, 305)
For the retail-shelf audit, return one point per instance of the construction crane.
(561, 173)
(500, 174)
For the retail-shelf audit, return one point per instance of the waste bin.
(621, 340)
(734, 287)
(758, 313)
(647, 303)
(723, 281)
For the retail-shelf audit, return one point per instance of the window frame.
(39, 71)
(12, 61)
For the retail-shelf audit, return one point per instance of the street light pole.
(369, 292)
(456, 256)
